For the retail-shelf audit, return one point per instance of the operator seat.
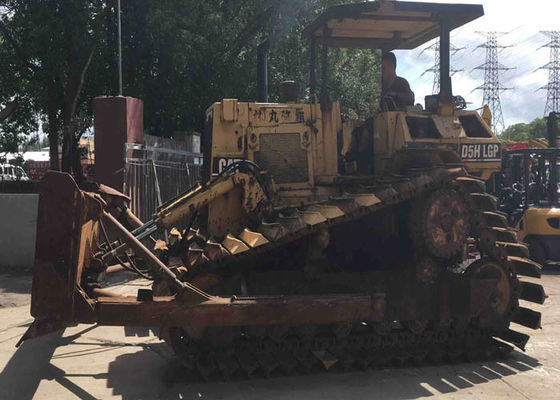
(360, 152)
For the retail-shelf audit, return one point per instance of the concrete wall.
(18, 225)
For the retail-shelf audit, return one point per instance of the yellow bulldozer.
(290, 258)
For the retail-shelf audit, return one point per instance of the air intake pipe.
(262, 71)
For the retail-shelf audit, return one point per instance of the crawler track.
(307, 349)
(266, 259)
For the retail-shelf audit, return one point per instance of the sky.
(521, 21)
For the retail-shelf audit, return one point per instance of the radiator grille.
(282, 156)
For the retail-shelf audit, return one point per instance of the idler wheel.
(440, 224)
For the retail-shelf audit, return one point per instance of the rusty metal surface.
(264, 311)
(63, 211)
(184, 288)
(423, 301)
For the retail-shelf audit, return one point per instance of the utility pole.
(435, 67)
(119, 40)
(492, 87)
(553, 67)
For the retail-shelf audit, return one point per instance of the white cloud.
(523, 20)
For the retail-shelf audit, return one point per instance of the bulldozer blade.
(41, 327)
(532, 292)
(65, 231)
(528, 318)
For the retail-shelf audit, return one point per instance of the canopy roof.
(387, 25)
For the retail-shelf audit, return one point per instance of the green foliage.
(179, 56)
(49, 46)
(13, 130)
(522, 132)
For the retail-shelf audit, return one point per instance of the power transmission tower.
(492, 87)
(435, 68)
(553, 67)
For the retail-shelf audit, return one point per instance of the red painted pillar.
(116, 121)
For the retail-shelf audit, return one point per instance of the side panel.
(465, 133)
(387, 131)
(280, 139)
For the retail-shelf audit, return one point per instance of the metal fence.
(154, 175)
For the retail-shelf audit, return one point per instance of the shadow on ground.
(153, 372)
(31, 364)
(173, 382)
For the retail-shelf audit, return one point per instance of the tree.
(522, 132)
(15, 109)
(179, 56)
(51, 45)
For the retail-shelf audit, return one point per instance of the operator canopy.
(388, 25)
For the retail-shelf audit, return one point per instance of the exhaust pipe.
(262, 71)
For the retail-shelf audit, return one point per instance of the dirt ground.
(91, 362)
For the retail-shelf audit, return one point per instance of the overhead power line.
(553, 67)
(492, 69)
(435, 67)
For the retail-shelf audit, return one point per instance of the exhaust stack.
(262, 71)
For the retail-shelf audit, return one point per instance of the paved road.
(88, 362)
